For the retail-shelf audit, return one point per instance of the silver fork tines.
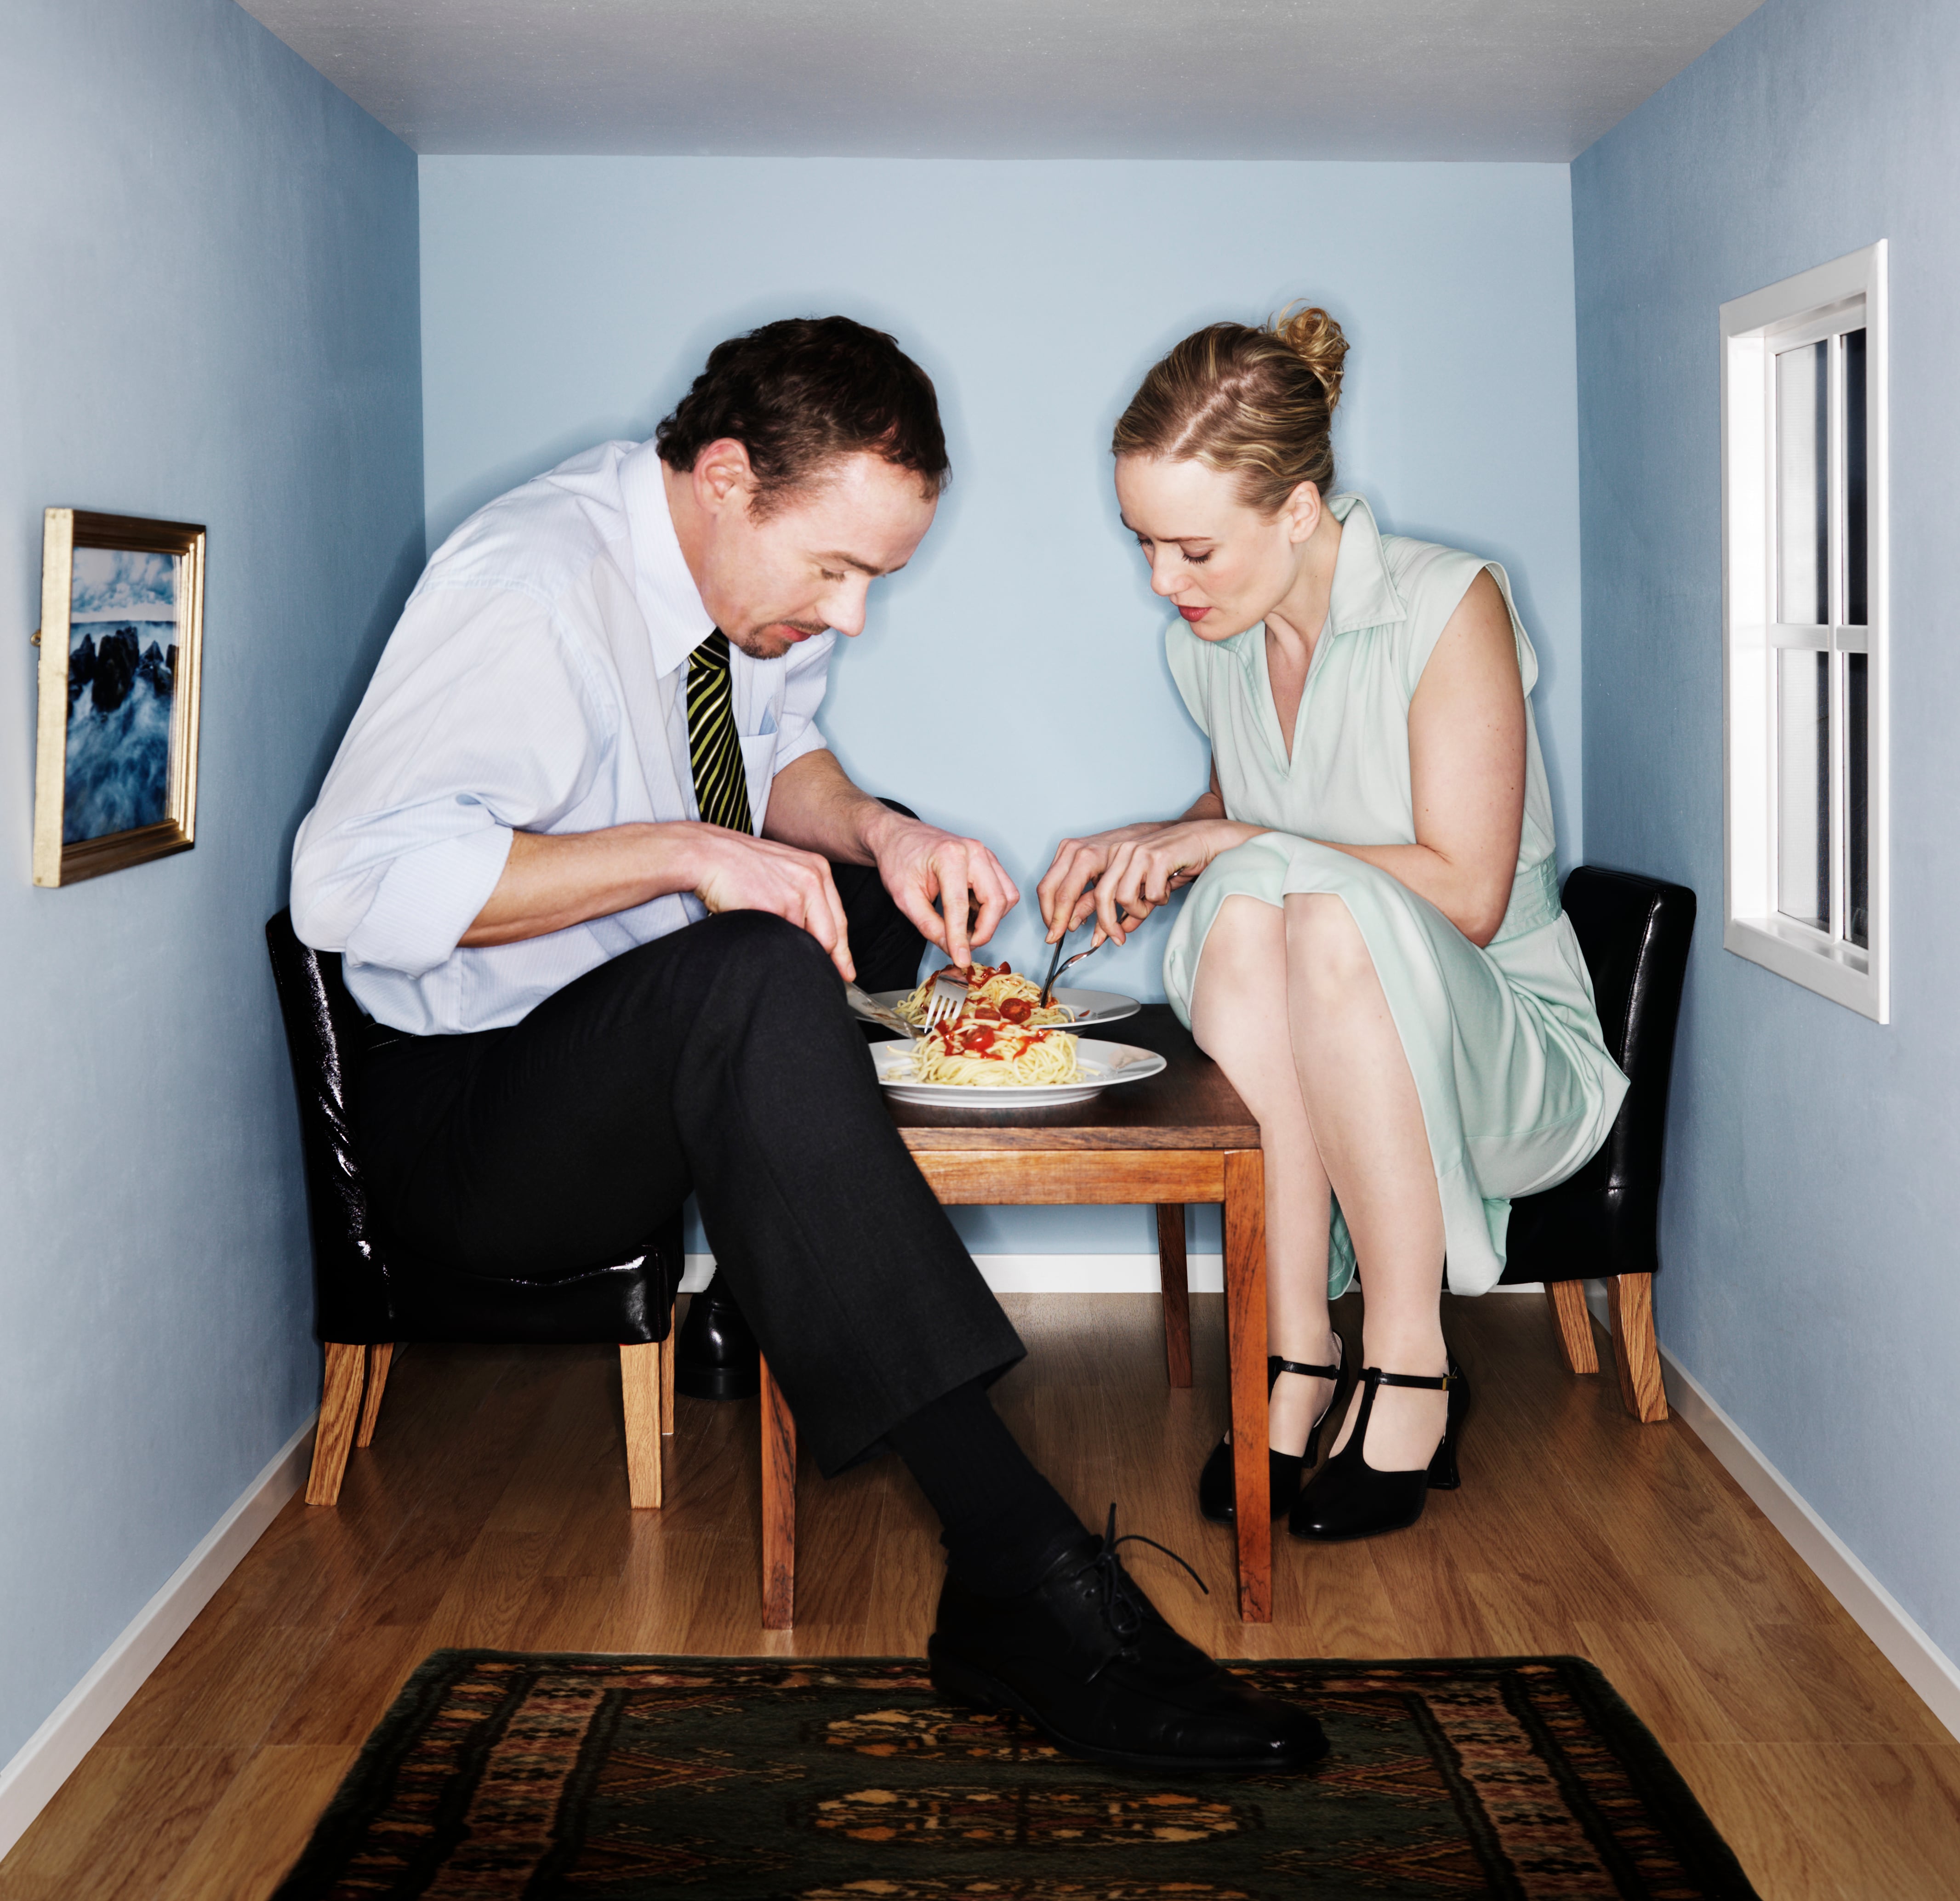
(947, 999)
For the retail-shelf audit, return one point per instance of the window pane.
(1854, 479)
(1857, 819)
(1802, 394)
(1803, 786)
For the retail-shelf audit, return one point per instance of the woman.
(1373, 950)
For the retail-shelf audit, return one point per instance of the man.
(576, 850)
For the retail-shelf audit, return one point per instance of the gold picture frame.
(116, 758)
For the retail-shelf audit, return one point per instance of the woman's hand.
(1124, 875)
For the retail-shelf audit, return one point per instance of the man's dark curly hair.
(801, 392)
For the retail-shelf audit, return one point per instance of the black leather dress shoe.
(717, 1357)
(1086, 1657)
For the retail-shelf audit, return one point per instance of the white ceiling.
(1416, 79)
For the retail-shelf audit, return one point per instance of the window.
(1804, 574)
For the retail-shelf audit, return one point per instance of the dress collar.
(677, 622)
(1363, 595)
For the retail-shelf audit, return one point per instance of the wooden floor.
(491, 1511)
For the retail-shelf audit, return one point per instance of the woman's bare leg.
(1367, 1121)
(1238, 1011)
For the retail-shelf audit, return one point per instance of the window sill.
(1840, 972)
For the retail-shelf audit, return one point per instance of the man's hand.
(734, 871)
(919, 862)
(1122, 877)
(553, 880)
(813, 807)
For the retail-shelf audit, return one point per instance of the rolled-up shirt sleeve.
(803, 678)
(480, 721)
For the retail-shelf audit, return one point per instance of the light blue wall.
(208, 312)
(565, 301)
(1814, 1164)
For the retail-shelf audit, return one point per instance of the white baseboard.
(1927, 1668)
(1072, 1274)
(1050, 1273)
(1933, 1674)
(49, 1756)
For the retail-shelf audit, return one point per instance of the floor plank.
(491, 1511)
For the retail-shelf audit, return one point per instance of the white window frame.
(1833, 297)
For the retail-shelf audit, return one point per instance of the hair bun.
(1317, 340)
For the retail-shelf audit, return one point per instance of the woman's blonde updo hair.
(1251, 403)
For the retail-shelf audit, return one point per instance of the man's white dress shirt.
(536, 682)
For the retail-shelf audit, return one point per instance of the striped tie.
(721, 785)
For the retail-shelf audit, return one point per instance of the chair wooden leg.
(1635, 1352)
(379, 1359)
(1572, 1321)
(640, 1396)
(1176, 1281)
(339, 1413)
(1245, 1352)
(779, 1463)
(667, 1346)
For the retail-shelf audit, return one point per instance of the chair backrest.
(368, 1289)
(324, 1031)
(1634, 931)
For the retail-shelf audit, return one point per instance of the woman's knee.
(1245, 949)
(1327, 959)
(1241, 976)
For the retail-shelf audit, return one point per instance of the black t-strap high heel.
(1349, 1498)
(1217, 1495)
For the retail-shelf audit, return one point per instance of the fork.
(948, 998)
(1055, 970)
(948, 994)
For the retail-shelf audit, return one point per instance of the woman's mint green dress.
(1517, 1089)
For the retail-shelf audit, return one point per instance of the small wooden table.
(1180, 1136)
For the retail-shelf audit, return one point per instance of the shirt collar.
(677, 620)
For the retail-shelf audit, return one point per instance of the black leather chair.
(1605, 1222)
(370, 1293)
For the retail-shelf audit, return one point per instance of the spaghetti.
(990, 987)
(1000, 1039)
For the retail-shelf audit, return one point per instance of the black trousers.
(720, 1060)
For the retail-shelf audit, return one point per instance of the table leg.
(1173, 1277)
(1246, 1352)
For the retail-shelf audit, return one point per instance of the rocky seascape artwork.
(121, 674)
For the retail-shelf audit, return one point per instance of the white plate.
(1103, 1065)
(1089, 1006)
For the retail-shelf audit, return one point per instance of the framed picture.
(121, 624)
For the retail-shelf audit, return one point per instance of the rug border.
(1640, 1752)
(1647, 1761)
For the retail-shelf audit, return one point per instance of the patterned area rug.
(497, 1776)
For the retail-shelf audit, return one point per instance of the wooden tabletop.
(1190, 1105)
